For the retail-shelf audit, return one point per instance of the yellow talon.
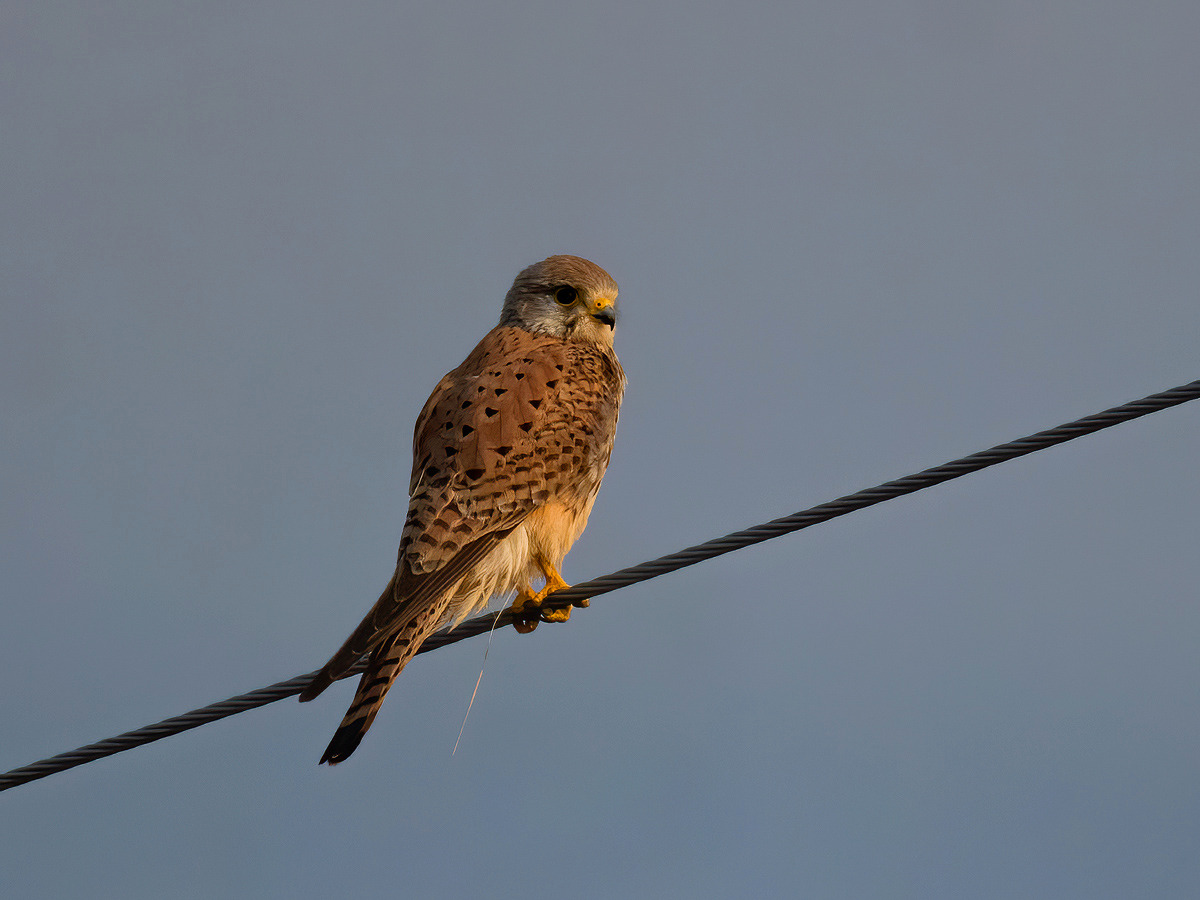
(556, 615)
(528, 619)
(525, 597)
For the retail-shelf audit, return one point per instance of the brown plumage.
(508, 454)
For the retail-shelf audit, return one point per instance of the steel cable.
(632, 575)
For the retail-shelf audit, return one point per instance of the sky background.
(240, 243)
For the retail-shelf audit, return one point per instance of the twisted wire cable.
(631, 575)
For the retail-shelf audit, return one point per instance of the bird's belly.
(551, 529)
(545, 536)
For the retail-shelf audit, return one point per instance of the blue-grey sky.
(239, 244)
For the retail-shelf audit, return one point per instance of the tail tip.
(344, 742)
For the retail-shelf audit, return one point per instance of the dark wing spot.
(466, 429)
(535, 403)
(450, 451)
(474, 474)
(466, 404)
(499, 391)
(525, 426)
(552, 383)
(504, 451)
(559, 366)
(519, 376)
(489, 412)
(430, 471)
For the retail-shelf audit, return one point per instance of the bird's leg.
(529, 598)
(554, 582)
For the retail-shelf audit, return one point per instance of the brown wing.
(477, 450)
(476, 476)
(399, 604)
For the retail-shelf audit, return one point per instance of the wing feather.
(399, 603)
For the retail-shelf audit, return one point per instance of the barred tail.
(386, 663)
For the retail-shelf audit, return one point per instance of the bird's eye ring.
(565, 295)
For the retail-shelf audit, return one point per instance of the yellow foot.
(528, 606)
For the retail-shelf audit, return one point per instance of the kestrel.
(508, 454)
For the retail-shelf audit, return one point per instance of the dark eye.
(565, 295)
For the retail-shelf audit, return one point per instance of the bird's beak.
(604, 310)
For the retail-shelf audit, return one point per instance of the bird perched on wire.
(508, 454)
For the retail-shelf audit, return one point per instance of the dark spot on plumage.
(466, 429)
(504, 451)
(558, 366)
(519, 376)
(552, 383)
(499, 391)
(451, 451)
(535, 403)
(525, 426)
(474, 474)
(430, 471)
(466, 404)
(489, 412)
(427, 539)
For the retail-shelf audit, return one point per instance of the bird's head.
(565, 296)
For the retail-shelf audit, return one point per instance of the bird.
(508, 455)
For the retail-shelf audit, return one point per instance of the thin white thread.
(486, 650)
